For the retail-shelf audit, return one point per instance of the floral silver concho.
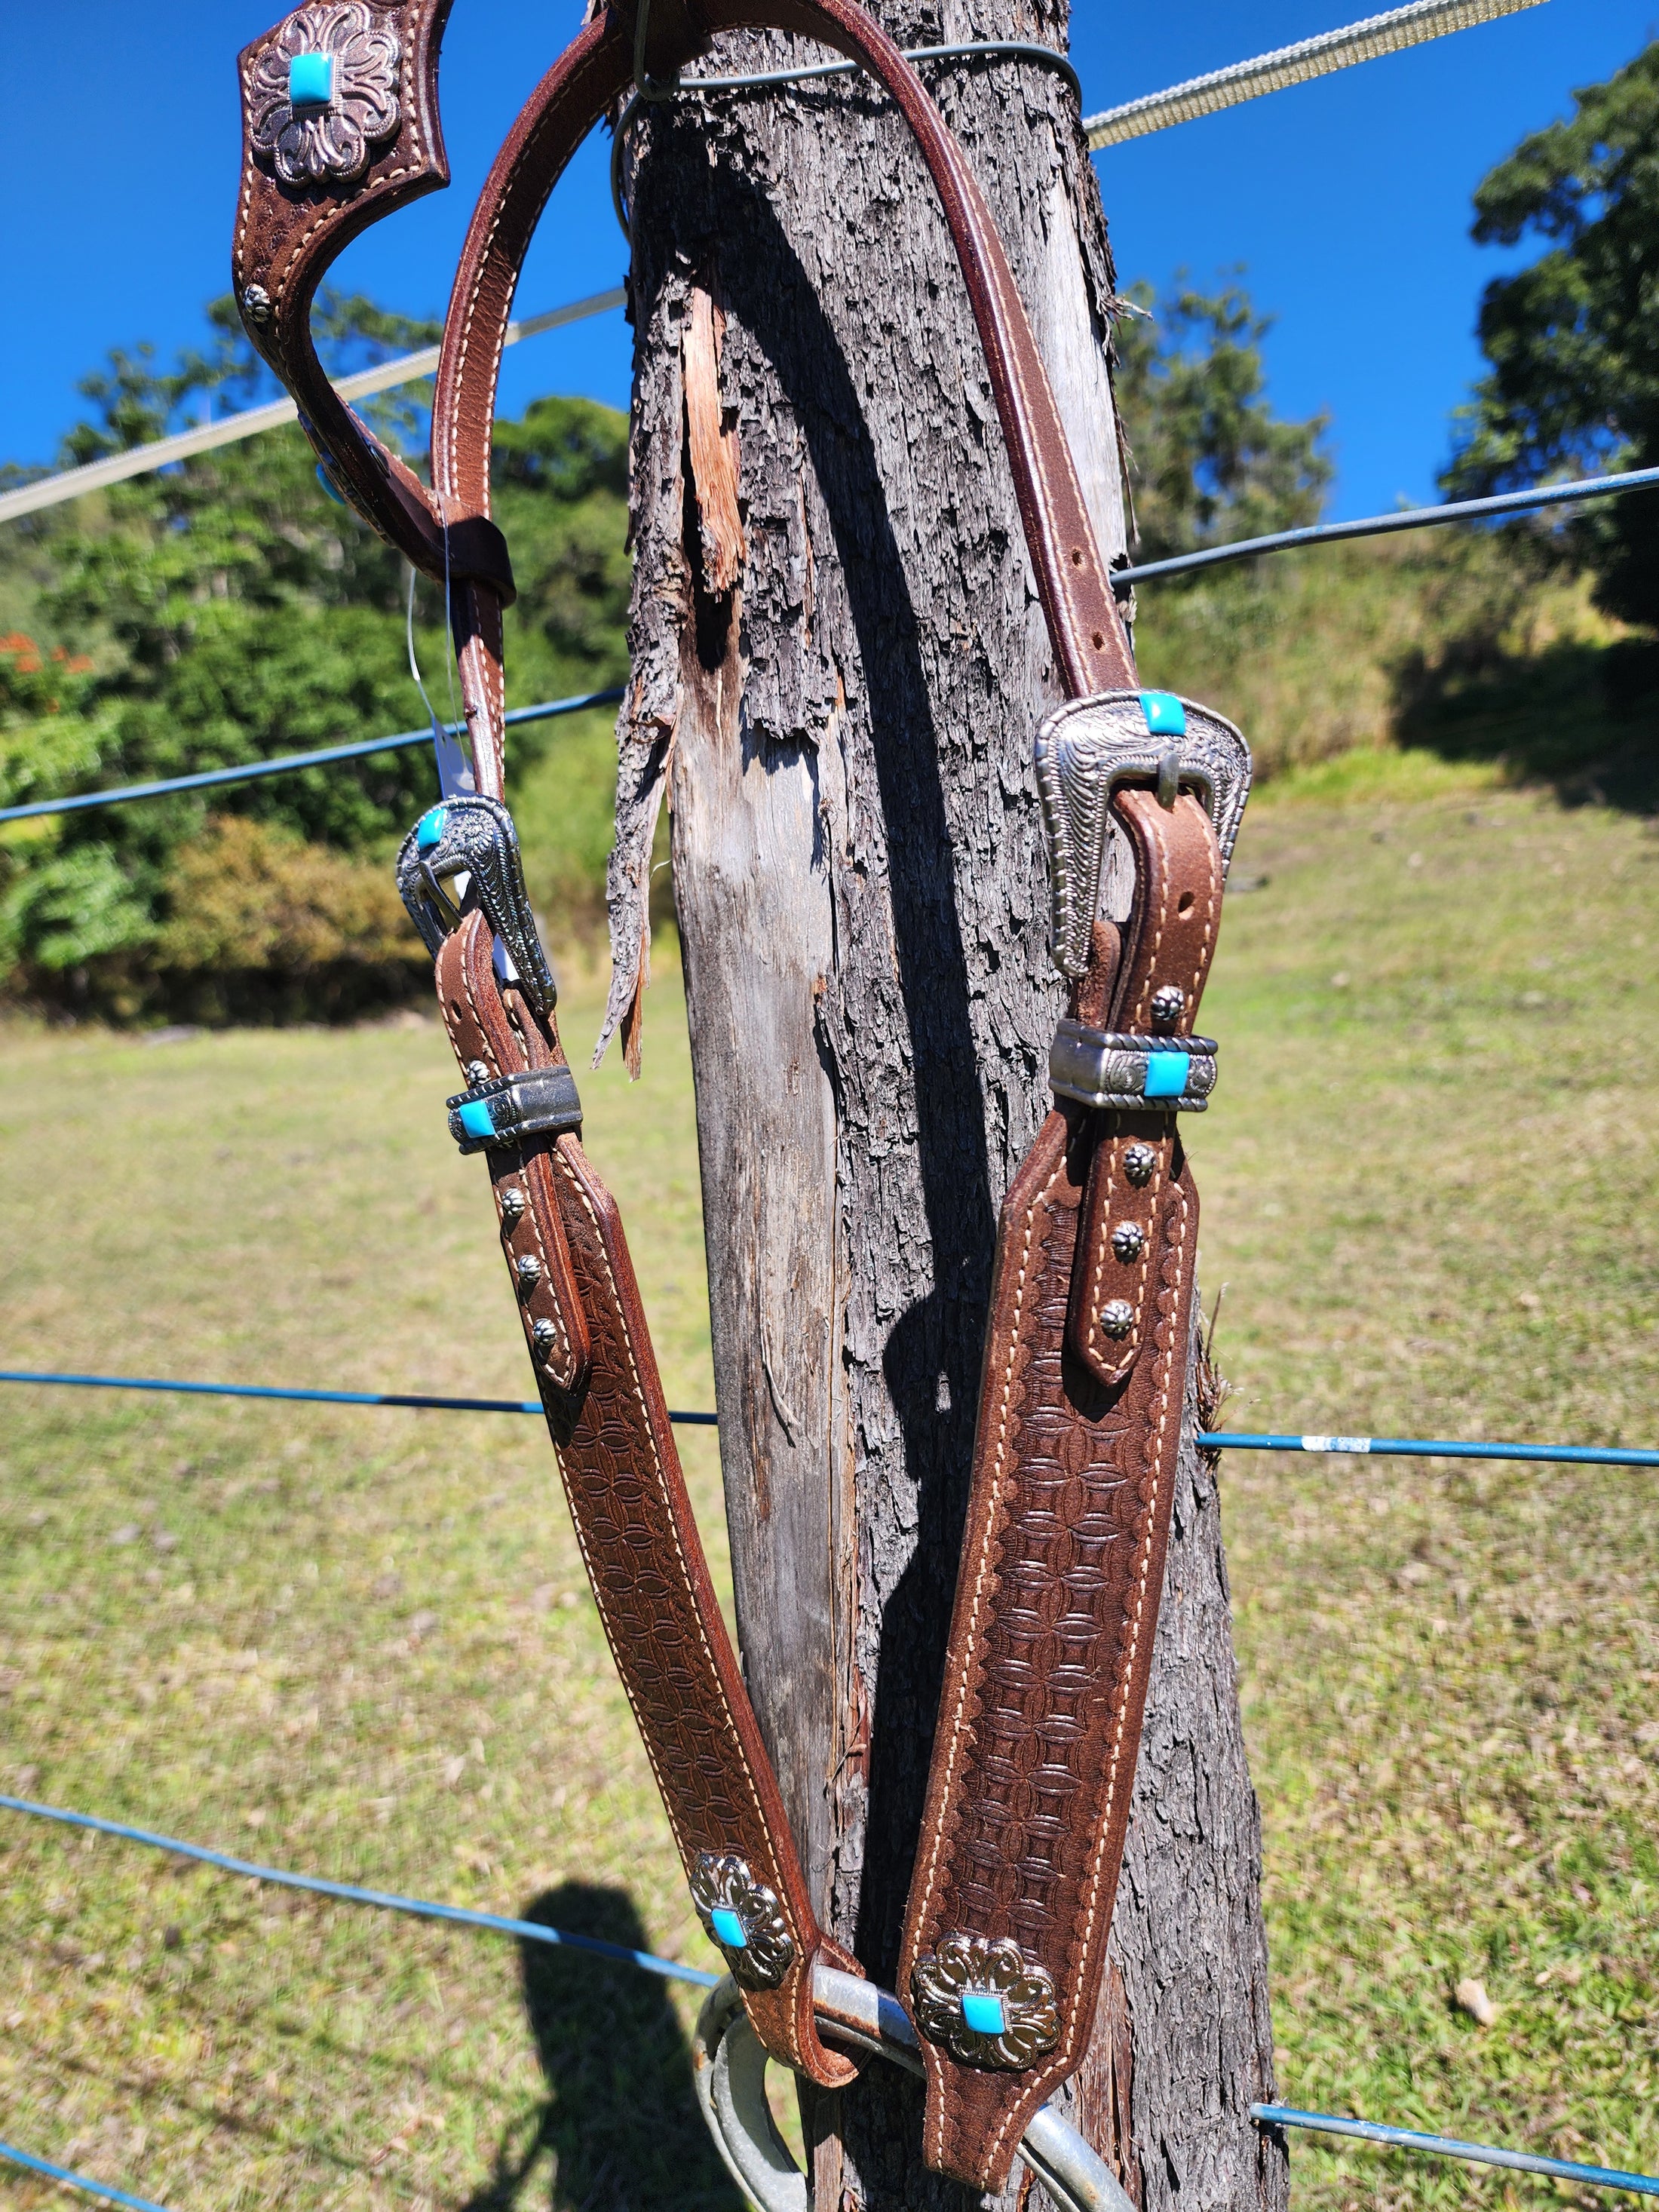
(978, 1966)
(331, 144)
(722, 1883)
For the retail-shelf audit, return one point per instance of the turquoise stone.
(325, 478)
(728, 1929)
(1166, 1074)
(982, 2010)
(1166, 715)
(310, 80)
(430, 830)
(476, 1119)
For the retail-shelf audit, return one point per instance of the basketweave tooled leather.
(1051, 1638)
(286, 239)
(627, 1496)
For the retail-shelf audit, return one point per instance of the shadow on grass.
(1582, 718)
(621, 2119)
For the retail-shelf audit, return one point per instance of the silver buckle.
(472, 837)
(1085, 750)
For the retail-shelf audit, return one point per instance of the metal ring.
(729, 2067)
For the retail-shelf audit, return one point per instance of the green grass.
(359, 1643)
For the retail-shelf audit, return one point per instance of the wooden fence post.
(840, 665)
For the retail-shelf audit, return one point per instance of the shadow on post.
(621, 2119)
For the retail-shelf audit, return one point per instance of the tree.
(1209, 462)
(838, 666)
(229, 612)
(1573, 385)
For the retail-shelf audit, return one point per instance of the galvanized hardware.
(1139, 1163)
(513, 1202)
(528, 1269)
(1085, 750)
(1121, 1069)
(1169, 1004)
(1128, 1241)
(545, 1338)
(986, 2002)
(473, 837)
(540, 1103)
(743, 1917)
(729, 2067)
(256, 304)
(1117, 1318)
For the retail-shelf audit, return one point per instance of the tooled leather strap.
(591, 1355)
(1051, 1639)
(312, 177)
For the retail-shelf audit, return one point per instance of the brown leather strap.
(1051, 1640)
(598, 1382)
(286, 236)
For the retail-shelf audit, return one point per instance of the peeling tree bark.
(839, 665)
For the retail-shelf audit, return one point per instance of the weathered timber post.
(840, 665)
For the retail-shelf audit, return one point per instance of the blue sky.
(1348, 200)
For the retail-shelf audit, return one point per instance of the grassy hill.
(359, 1642)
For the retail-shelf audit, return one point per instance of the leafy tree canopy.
(225, 611)
(1209, 460)
(1573, 339)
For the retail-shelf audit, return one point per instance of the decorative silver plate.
(743, 1917)
(326, 141)
(986, 2002)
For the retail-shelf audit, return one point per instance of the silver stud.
(256, 303)
(1138, 1161)
(477, 1072)
(513, 1202)
(1169, 1004)
(1128, 1240)
(529, 1270)
(1117, 1318)
(545, 1338)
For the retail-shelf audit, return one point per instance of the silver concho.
(329, 143)
(978, 1978)
(474, 836)
(1128, 1241)
(1085, 750)
(256, 304)
(743, 1917)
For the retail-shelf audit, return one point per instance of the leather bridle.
(1087, 1348)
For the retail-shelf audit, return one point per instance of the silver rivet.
(477, 1072)
(1128, 1240)
(1138, 1161)
(1169, 1004)
(513, 1202)
(256, 303)
(1117, 1317)
(529, 1270)
(545, 1338)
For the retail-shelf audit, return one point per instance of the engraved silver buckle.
(1085, 750)
(470, 836)
(1125, 1069)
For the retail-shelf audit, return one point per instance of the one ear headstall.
(1079, 1420)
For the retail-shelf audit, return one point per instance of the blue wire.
(1428, 1448)
(317, 1397)
(76, 2180)
(386, 1900)
(251, 771)
(1211, 1439)
(1598, 2177)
